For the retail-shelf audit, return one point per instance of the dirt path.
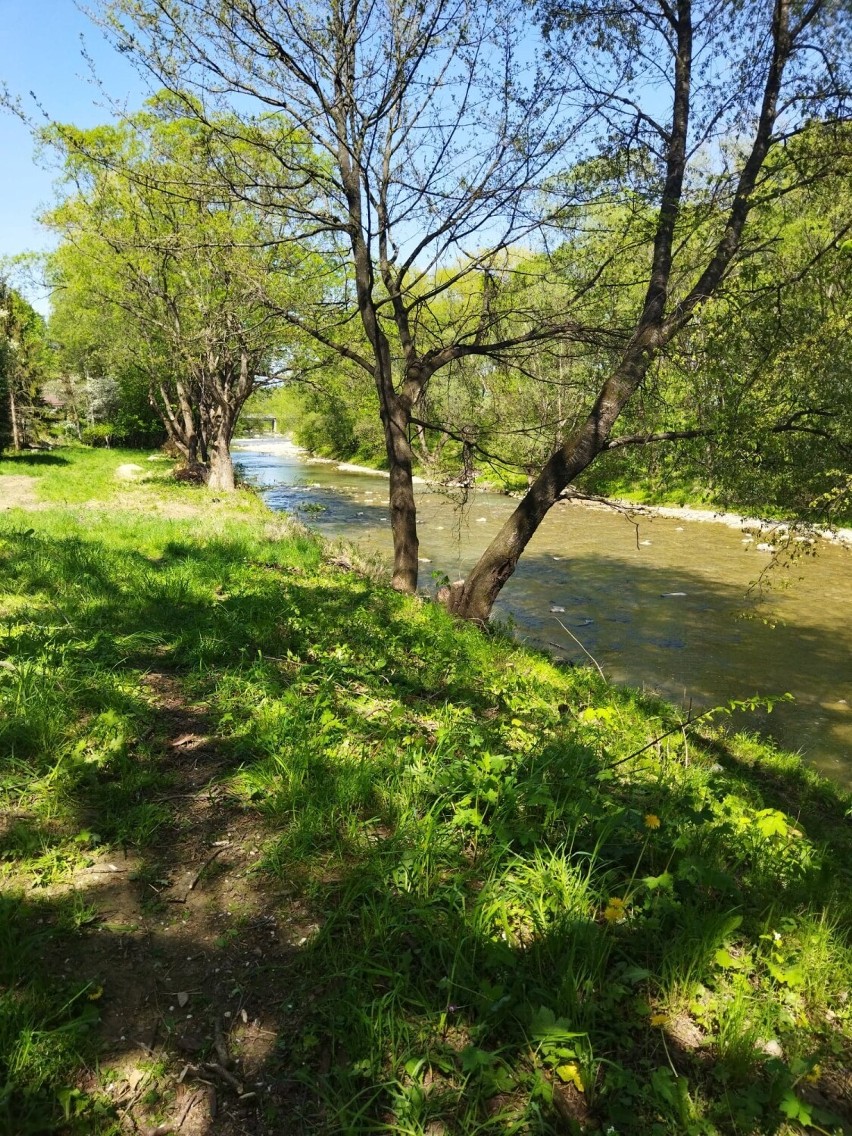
(193, 955)
(18, 491)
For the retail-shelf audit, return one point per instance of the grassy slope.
(515, 926)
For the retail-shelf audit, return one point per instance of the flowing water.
(658, 602)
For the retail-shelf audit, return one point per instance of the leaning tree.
(698, 101)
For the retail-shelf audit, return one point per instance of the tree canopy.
(167, 278)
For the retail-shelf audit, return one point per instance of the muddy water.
(661, 603)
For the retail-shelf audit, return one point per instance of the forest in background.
(759, 387)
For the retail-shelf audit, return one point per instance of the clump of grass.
(47, 1024)
(516, 927)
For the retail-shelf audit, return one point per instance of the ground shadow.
(35, 457)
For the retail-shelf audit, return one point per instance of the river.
(658, 602)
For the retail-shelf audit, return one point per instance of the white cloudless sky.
(41, 51)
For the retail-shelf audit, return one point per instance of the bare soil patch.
(18, 491)
(190, 955)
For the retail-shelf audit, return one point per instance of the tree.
(760, 385)
(703, 169)
(430, 138)
(104, 391)
(167, 277)
(24, 357)
(750, 402)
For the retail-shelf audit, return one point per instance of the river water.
(658, 602)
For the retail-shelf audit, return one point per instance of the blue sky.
(41, 51)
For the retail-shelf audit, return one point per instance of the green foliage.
(168, 287)
(47, 1025)
(24, 362)
(763, 372)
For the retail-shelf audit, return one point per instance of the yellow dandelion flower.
(652, 820)
(615, 911)
(657, 1020)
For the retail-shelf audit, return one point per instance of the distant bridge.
(270, 418)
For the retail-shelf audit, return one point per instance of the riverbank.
(284, 850)
(755, 525)
(776, 529)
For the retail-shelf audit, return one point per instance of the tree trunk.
(474, 597)
(220, 464)
(403, 510)
(182, 434)
(13, 420)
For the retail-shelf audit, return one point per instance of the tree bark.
(13, 420)
(220, 464)
(395, 410)
(396, 418)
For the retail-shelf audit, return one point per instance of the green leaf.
(592, 715)
(498, 1080)
(414, 1065)
(795, 1109)
(570, 1074)
(787, 975)
(635, 974)
(472, 1058)
(770, 822)
(471, 817)
(665, 881)
(726, 960)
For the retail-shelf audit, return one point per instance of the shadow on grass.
(462, 913)
(35, 457)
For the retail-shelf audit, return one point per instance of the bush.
(99, 434)
(126, 430)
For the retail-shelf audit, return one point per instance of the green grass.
(506, 939)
